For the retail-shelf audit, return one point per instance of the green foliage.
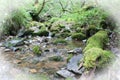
(60, 41)
(85, 18)
(98, 40)
(97, 57)
(69, 57)
(17, 19)
(36, 50)
(56, 58)
(69, 78)
(78, 36)
(43, 33)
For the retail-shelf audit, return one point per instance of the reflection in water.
(9, 72)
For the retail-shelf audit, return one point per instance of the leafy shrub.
(16, 20)
(36, 50)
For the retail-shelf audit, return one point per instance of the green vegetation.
(42, 33)
(36, 50)
(98, 40)
(56, 58)
(69, 57)
(60, 41)
(94, 55)
(16, 20)
(78, 36)
(97, 57)
(66, 22)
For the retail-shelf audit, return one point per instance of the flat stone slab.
(73, 64)
(65, 73)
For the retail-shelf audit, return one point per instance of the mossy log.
(94, 53)
(98, 40)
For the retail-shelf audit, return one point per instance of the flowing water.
(9, 71)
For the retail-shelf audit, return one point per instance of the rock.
(68, 38)
(7, 50)
(84, 41)
(35, 29)
(23, 33)
(46, 50)
(14, 48)
(44, 39)
(78, 36)
(17, 61)
(65, 73)
(33, 70)
(73, 64)
(42, 33)
(14, 43)
(56, 58)
(1, 44)
(75, 51)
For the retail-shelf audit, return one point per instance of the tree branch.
(43, 4)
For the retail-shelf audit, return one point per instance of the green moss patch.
(94, 55)
(97, 57)
(36, 50)
(78, 36)
(56, 58)
(60, 41)
(98, 40)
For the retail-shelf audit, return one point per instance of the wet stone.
(14, 43)
(73, 64)
(65, 73)
(33, 70)
(7, 50)
(75, 51)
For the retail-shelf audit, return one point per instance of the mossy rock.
(56, 58)
(42, 33)
(78, 36)
(64, 35)
(97, 57)
(60, 41)
(36, 50)
(35, 23)
(69, 57)
(58, 26)
(98, 40)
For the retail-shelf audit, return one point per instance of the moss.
(60, 41)
(64, 35)
(37, 50)
(98, 40)
(78, 36)
(96, 57)
(58, 26)
(69, 57)
(56, 58)
(69, 78)
(42, 33)
(35, 23)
